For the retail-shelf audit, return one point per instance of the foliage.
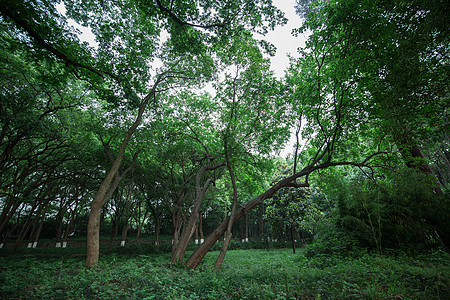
(292, 208)
(255, 274)
(397, 211)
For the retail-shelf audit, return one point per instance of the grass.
(246, 274)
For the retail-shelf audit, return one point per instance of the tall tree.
(396, 54)
(128, 36)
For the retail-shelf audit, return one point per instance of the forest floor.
(245, 274)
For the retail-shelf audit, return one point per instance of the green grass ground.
(246, 274)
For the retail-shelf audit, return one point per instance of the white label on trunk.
(196, 242)
(1, 246)
(34, 244)
(64, 244)
(201, 241)
(122, 243)
(58, 245)
(29, 245)
(246, 240)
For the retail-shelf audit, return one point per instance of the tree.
(397, 55)
(292, 210)
(122, 75)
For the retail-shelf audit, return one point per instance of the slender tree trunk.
(158, 222)
(114, 230)
(26, 227)
(7, 215)
(293, 238)
(69, 226)
(126, 224)
(246, 227)
(177, 222)
(228, 234)
(200, 226)
(196, 233)
(59, 219)
(260, 221)
(39, 229)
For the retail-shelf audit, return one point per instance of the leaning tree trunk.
(105, 190)
(228, 234)
(39, 229)
(69, 223)
(201, 251)
(189, 228)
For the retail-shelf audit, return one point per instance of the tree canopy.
(173, 118)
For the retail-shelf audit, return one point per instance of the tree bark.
(293, 238)
(228, 234)
(105, 190)
(189, 228)
(200, 226)
(246, 227)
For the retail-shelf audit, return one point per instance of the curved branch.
(41, 41)
(183, 23)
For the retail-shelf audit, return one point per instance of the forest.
(154, 162)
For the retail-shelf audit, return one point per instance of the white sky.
(286, 44)
(282, 38)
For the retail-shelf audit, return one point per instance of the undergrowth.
(246, 274)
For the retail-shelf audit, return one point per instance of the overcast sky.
(282, 38)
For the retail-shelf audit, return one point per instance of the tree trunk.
(39, 229)
(127, 222)
(201, 251)
(196, 233)
(69, 224)
(158, 222)
(93, 234)
(7, 214)
(293, 239)
(114, 230)
(26, 227)
(200, 227)
(261, 221)
(105, 190)
(414, 159)
(246, 227)
(59, 220)
(228, 234)
(189, 228)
